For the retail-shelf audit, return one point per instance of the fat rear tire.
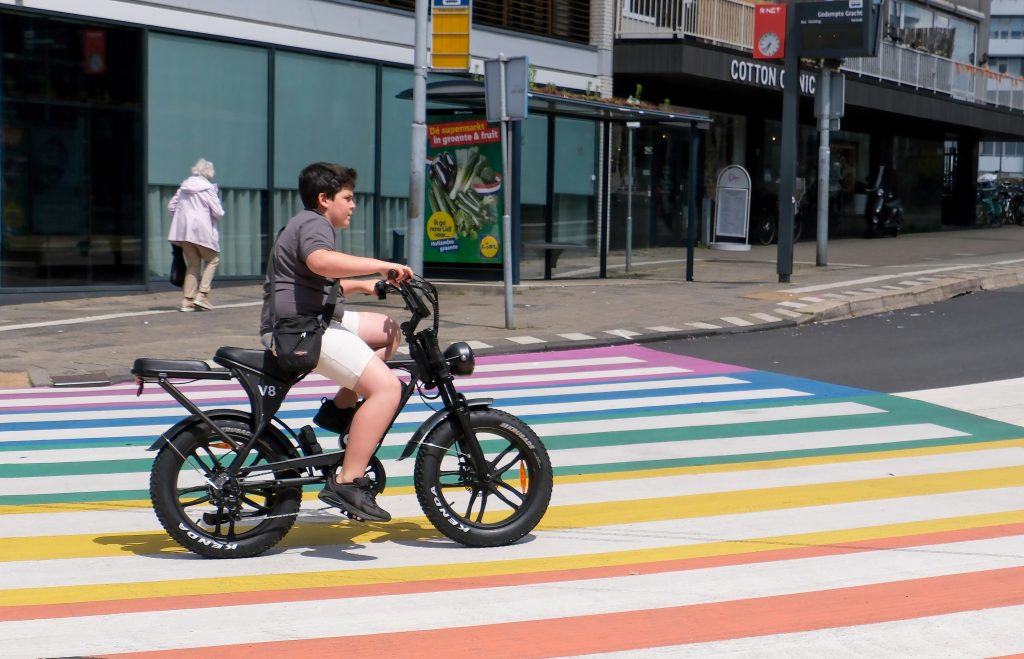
(484, 510)
(238, 520)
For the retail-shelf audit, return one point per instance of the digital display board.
(846, 28)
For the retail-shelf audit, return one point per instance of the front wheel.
(211, 513)
(494, 506)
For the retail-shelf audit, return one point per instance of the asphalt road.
(969, 339)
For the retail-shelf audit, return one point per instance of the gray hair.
(204, 168)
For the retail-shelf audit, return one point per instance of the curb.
(919, 296)
(825, 311)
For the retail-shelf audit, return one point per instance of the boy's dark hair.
(326, 177)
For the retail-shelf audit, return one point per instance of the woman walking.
(195, 212)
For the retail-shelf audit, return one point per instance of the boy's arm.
(364, 286)
(338, 265)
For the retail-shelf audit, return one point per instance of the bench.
(555, 249)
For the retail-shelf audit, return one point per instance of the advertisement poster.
(464, 201)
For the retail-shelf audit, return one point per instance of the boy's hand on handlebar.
(396, 273)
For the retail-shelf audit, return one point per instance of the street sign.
(517, 72)
(836, 97)
(769, 31)
(847, 28)
(450, 24)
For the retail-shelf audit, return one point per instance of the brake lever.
(380, 289)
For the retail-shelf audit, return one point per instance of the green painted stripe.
(127, 495)
(75, 468)
(648, 465)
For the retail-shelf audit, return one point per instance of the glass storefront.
(101, 124)
(220, 113)
(71, 110)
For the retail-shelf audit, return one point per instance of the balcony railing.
(731, 23)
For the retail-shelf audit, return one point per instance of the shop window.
(71, 115)
(575, 181)
(340, 127)
(208, 99)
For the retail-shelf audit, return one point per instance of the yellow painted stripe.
(558, 517)
(598, 477)
(420, 573)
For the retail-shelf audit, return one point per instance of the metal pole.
(506, 218)
(790, 126)
(630, 129)
(691, 203)
(418, 152)
(824, 163)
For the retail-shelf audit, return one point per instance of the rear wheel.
(488, 508)
(764, 227)
(211, 513)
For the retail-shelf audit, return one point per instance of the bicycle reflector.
(460, 358)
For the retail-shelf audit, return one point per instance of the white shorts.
(343, 355)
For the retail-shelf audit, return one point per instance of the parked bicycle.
(1013, 203)
(765, 219)
(228, 483)
(993, 207)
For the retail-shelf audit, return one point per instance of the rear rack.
(191, 369)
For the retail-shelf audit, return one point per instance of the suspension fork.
(427, 360)
(469, 444)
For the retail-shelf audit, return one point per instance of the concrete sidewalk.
(96, 339)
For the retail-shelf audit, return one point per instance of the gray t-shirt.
(297, 289)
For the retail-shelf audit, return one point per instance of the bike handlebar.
(416, 293)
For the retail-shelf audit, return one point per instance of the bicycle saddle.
(263, 361)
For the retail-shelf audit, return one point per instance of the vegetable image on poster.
(464, 200)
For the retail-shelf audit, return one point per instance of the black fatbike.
(228, 483)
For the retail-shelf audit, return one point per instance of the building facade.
(106, 104)
(1006, 60)
(920, 109)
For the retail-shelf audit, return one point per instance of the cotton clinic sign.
(764, 75)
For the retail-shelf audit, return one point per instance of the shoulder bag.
(297, 339)
(177, 277)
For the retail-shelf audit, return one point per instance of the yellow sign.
(449, 48)
(440, 226)
(488, 247)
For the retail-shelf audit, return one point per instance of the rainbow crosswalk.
(700, 509)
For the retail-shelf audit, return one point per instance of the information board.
(732, 203)
(847, 28)
(464, 181)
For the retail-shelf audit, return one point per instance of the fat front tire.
(210, 514)
(484, 509)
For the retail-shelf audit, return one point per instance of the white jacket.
(195, 210)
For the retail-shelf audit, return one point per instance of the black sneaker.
(355, 498)
(332, 418)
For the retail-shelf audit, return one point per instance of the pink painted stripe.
(647, 355)
(680, 625)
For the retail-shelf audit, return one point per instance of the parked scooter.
(883, 213)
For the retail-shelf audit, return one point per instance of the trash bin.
(398, 246)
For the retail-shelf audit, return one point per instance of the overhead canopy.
(470, 93)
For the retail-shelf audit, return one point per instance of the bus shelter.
(591, 180)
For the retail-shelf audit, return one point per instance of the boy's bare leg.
(381, 333)
(381, 392)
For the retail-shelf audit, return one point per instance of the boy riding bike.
(355, 344)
